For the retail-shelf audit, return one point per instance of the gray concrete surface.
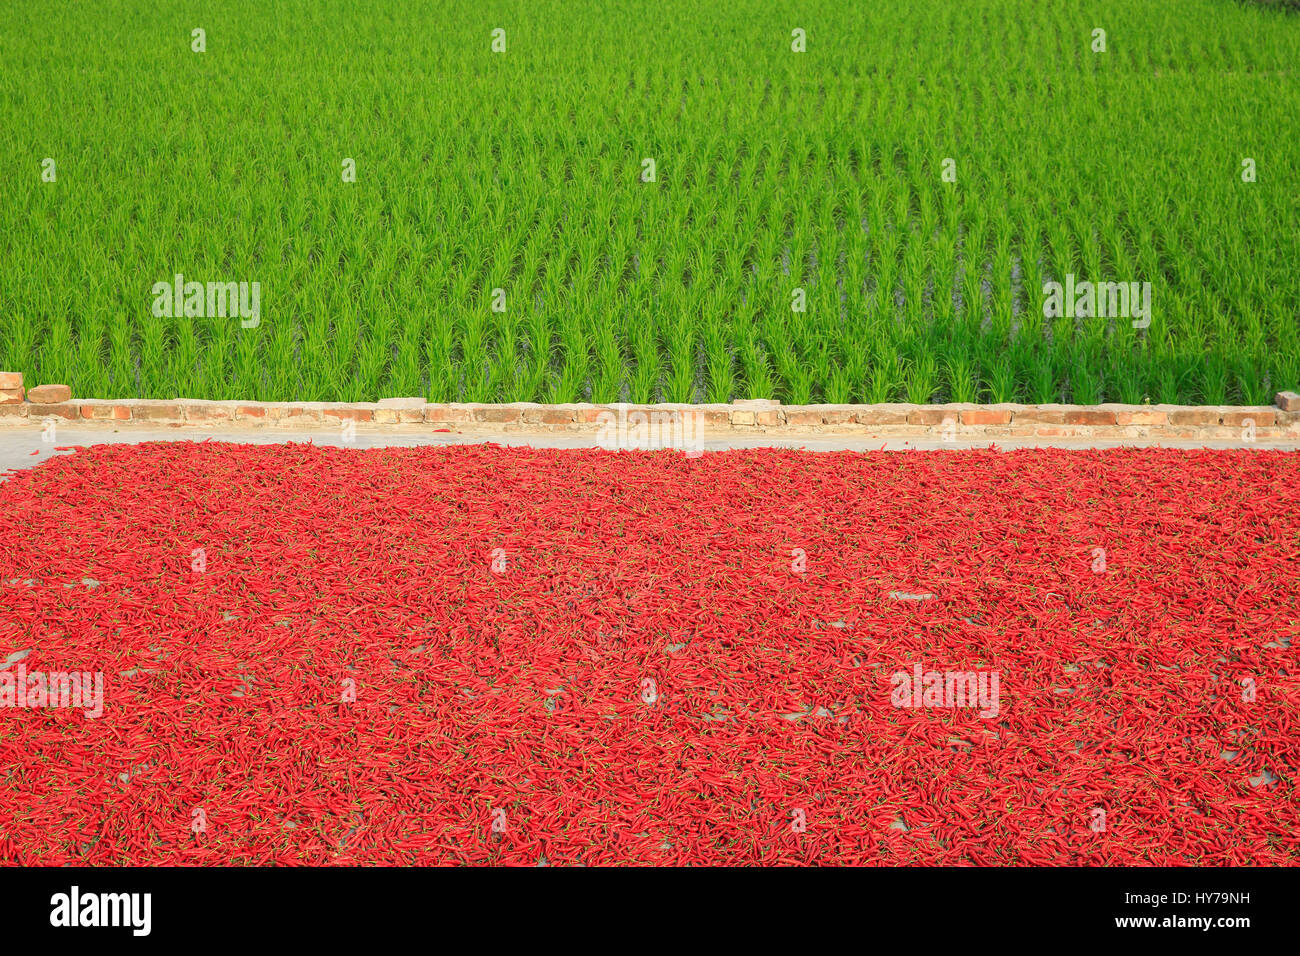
(25, 446)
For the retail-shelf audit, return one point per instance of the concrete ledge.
(966, 422)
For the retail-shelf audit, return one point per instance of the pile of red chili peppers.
(480, 654)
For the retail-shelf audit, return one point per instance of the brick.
(663, 414)
(839, 414)
(1262, 416)
(310, 413)
(252, 409)
(930, 415)
(1138, 415)
(448, 414)
(106, 411)
(13, 411)
(743, 416)
(157, 411)
(770, 417)
(985, 416)
(347, 413)
(1287, 401)
(548, 416)
(405, 416)
(59, 409)
(49, 394)
(1219, 433)
(714, 417)
(803, 416)
(209, 413)
(1090, 416)
(402, 403)
(1042, 414)
(499, 414)
(11, 380)
(882, 415)
(11, 396)
(1193, 415)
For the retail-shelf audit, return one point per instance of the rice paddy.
(652, 201)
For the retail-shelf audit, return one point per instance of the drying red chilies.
(480, 654)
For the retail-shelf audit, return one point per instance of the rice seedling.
(921, 379)
(960, 376)
(650, 201)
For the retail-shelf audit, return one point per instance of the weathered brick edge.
(1277, 422)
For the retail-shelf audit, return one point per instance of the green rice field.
(912, 179)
